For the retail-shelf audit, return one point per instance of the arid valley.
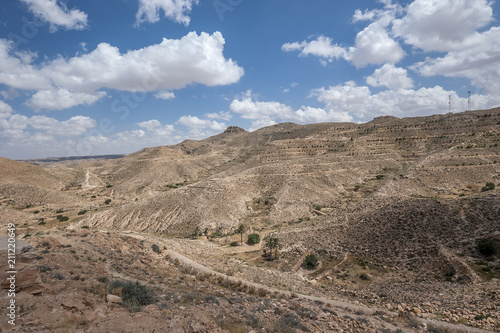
(387, 226)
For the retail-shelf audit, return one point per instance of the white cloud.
(150, 125)
(172, 64)
(373, 45)
(219, 115)
(57, 15)
(165, 94)
(480, 63)
(16, 70)
(74, 126)
(321, 47)
(197, 123)
(443, 25)
(359, 101)
(268, 113)
(391, 77)
(5, 110)
(60, 99)
(176, 10)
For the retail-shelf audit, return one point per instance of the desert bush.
(45, 268)
(82, 212)
(486, 247)
(62, 218)
(311, 261)
(212, 299)
(317, 207)
(288, 322)
(234, 244)
(253, 239)
(134, 294)
(107, 202)
(58, 276)
(488, 187)
(156, 248)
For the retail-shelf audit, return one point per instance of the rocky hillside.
(214, 184)
(393, 209)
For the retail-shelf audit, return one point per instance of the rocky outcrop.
(27, 276)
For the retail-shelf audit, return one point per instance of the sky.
(95, 77)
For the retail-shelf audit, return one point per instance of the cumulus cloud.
(60, 99)
(361, 103)
(268, 113)
(443, 25)
(16, 70)
(176, 10)
(373, 45)
(321, 47)
(480, 63)
(165, 94)
(391, 77)
(74, 126)
(150, 125)
(172, 64)
(197, 123)
(223, 115)
(57, 15)
(5, 110)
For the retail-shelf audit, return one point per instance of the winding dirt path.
(341, 305)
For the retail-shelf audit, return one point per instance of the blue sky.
(98, 77)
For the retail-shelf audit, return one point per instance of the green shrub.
(253, 239)
(488, 187)
(36, 212)
(82, 212)
(134, 294)
(107, 201)
(486, 247)
(317, 207)
(311, 261)
(62, 218)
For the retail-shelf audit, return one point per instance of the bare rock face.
(114, 299)
(234, 129)
(27, 277)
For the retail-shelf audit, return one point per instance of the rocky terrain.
(394, 210)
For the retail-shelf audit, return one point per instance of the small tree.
(253, 239)
(311, 261)
(272, 243)
(241, 230)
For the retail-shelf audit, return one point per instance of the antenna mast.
(449, 103)
(468, 102)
